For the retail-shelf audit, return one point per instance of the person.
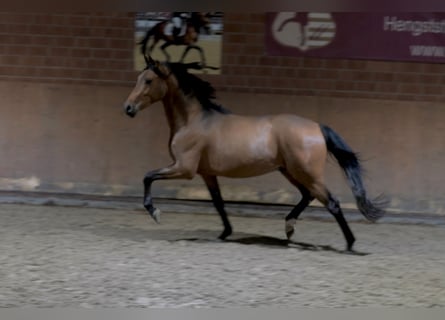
(178, 20)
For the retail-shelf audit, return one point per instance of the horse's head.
(151, 86)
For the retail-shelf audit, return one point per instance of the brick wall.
(97, 48)
(91, 48)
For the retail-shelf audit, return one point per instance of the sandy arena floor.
(84, 257)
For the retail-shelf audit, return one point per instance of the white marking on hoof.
(157, 215)
(289, 227)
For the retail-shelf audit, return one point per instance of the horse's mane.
(192, 85)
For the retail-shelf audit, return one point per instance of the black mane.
(194, 86)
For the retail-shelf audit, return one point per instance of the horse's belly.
(240, 163)
(247, 170)
(239, 170)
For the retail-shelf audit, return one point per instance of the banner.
(372, 36)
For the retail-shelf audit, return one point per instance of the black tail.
(349, 162)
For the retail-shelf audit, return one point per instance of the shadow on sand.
(272, 242)
(209, 236)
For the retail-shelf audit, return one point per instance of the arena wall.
(64, 77)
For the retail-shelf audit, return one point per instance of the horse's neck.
(179, 111)
(195, 22)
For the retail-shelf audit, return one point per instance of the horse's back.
(271, 131)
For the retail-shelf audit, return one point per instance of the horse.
(207, 139)
(194, 24)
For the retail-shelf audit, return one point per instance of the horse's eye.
(148, 81)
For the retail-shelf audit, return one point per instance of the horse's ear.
(149, 60)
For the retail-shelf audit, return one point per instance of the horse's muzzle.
(130, 111)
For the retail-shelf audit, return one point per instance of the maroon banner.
(373, 36)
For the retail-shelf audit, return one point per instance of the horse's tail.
(144, 41)
(350, 163)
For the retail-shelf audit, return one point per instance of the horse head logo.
(304, 31)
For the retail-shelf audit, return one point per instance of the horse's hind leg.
(218, 202)
(291, 218)
(306, 199)
(322, 194)
(199, 49)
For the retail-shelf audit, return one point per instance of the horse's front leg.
(218, 202)
(152, 46)
(175, 171)
(164, 47)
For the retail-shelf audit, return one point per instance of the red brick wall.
(92, 48)
(97, 48)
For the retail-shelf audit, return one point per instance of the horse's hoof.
(290, 227)
(355, 253)
(225, 234)
(349, 249)
(156, 215)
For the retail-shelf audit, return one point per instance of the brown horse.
(194, 24)
(208, 140)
